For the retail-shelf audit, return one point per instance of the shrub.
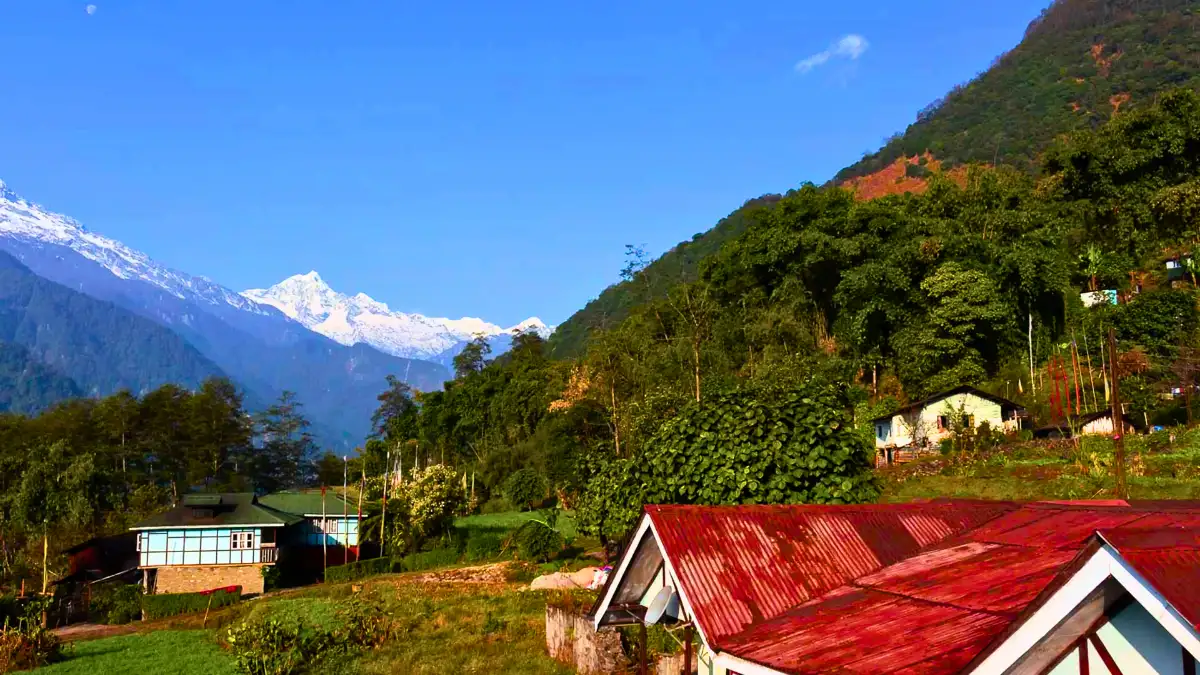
(358, 570)
(25, 644)
(521, 572)
(172, 604)
(423, 507)
(537, 542)
(273, 647)
(115, 603)
(524, 488)
(28, 648)
(272, 577)
(484, 545)
(497, 505)
(439, 557)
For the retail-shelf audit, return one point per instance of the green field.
(183, 652)
(511, 520)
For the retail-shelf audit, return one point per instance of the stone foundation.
(571, 640)
(195, 578)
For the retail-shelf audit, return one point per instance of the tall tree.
(286, 446)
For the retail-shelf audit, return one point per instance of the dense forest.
(55, 340)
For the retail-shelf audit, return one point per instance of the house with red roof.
(933, 588)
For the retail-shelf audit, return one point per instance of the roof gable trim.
(619, 574)
(1105, 562)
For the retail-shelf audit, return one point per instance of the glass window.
(241, 540)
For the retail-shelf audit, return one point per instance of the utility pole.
(1118, 418)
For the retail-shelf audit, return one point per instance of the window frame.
(237, 539)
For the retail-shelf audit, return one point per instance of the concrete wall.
(571, 640)
(191, 579)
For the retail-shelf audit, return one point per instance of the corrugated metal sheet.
(919, 589)
(870, 632)
(1168, 558)
(746, 564)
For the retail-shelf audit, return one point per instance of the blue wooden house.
(217, 540)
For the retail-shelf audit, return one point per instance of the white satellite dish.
(665, 603)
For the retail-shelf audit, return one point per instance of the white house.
(926, 423)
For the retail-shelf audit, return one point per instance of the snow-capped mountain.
(20, 219)
(354, 319)
(258, 346)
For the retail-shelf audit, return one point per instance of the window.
(240, 541)
(942, 423)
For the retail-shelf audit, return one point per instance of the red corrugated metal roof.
(917, 588)
(739, 565)
(1168, 558)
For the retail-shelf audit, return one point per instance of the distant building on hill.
(1091, 424)
(926, 423)
(217, 540)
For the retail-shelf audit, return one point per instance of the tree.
(396, 417)
(285, 447)
(328, 469)
(472, 358)
(219, 430)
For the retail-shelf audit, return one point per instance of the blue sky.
(481, 159)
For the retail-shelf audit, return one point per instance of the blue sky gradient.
(479, 159)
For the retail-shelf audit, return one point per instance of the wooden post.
(642, 665)
(1075, 374)
(687, 650)
(383, 515)
(1118, 418)
(1032, 378)
(205, 622)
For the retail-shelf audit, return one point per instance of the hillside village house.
(945, 587)
(216, 540)
(925, 423)
(1091, 424)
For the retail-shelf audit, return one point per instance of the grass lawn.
(190, 652)
(511, 520)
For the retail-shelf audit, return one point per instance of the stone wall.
(194, 578)
(571, 640)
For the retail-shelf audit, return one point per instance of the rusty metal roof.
(915, 588)
(1168, 558)
(740, 565)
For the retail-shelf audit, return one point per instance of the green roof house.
(216, 540)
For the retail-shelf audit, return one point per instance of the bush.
(358, 570)
(484, 545)
(524, 488)
(273, 647)
(115, 603)
(537, 542)
(24, 643)
(439, 557)
(172, 604)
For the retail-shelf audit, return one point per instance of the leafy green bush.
(484, 545)
(536, 542)
(425, 560)
(269, 646)
(524, 488)
(24, 643)
(115, 603)
(172, 604)
(358, 570)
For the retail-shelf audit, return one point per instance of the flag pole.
(344, 527)
(324, 535)
(383, 515)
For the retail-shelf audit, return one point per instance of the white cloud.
(90, 9)
(849, 47)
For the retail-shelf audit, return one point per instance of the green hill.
(54, 336)
(1078, 62)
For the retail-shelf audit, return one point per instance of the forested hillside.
(97, 345)
(27, 385)
(1079, 63)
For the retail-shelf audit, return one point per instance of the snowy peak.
(32, 224)
(360, 318)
